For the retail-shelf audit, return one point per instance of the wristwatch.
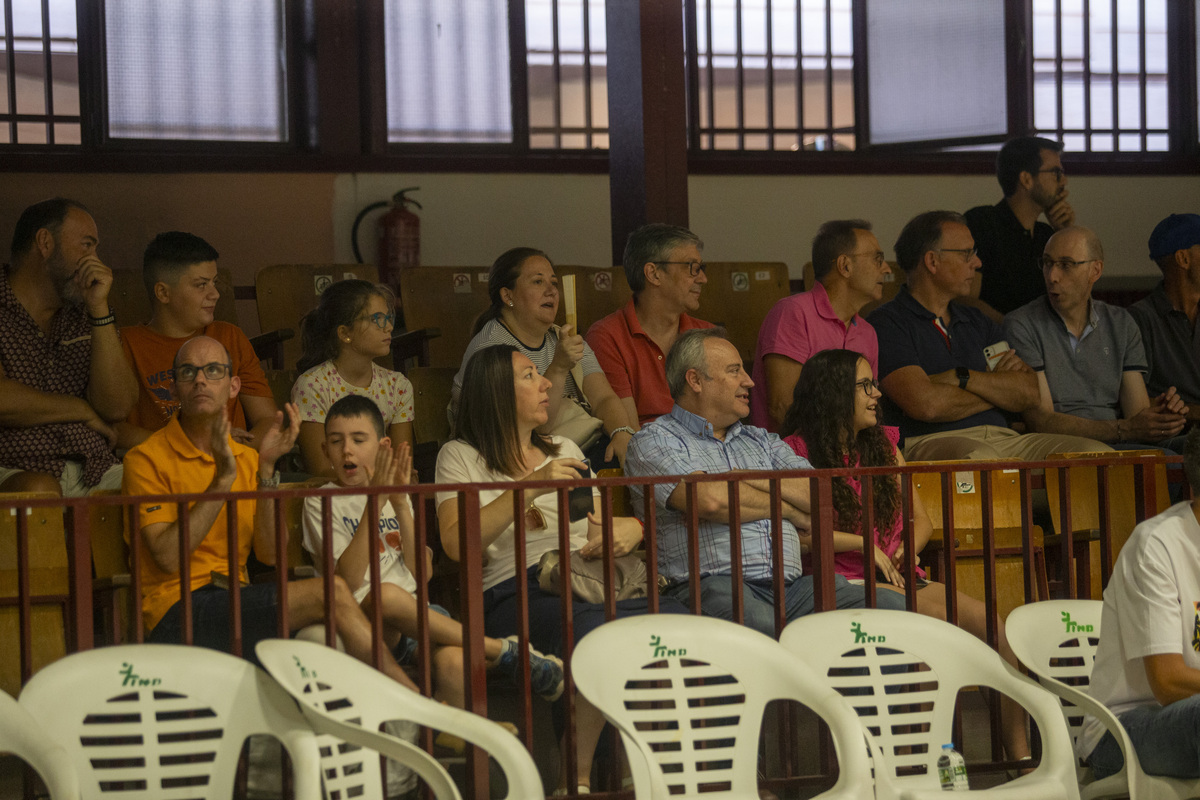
(964, 375)
(268, 483)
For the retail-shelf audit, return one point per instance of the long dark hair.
(340, 304)
(487, 411)
(822, 413)
(503, 275)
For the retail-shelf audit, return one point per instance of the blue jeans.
(758, 599)
(1166, 740)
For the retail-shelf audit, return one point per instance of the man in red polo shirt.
(665, 271)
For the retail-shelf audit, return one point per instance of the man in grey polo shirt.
(1088, 355)
(1167, 316)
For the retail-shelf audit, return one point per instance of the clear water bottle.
(952, 770)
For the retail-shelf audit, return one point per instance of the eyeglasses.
(1065, 264)
(694, 267)
(867, 384)
(381, 320)
(967, 254)
(186, 373)
(1057, 172)
(876, 257)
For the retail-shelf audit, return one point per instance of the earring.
(510, 304)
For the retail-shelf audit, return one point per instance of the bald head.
(204, 348)
(204, 379)
(1078, 239)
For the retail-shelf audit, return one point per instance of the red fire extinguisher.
(399, 237)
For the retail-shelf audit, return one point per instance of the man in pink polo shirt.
(849, 267)
(665, 271)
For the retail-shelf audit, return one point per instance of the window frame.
(337, 118)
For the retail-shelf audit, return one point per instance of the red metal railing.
(77, 605)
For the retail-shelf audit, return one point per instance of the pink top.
(848, 563)
(799, 326)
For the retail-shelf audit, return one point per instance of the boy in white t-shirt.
(1148, 662)
(361, 455)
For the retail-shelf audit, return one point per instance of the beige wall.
(469, 219)
(252, 219)
(259, 219)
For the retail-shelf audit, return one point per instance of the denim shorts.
(210, 619)
(405, 651)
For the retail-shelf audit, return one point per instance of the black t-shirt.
(1011, 256)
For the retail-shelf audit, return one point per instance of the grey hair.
(652, 242)
(688, 353)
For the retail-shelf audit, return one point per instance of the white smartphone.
(993, 352)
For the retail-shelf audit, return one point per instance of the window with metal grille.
(39, 70)
(771, 74)
(567, 74)
(213, 70)
(1100, 74)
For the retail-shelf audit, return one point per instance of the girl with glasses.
(350, 327)
(834, 421)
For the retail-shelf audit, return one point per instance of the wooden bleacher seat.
(448, 298)
(431, 426)
(891, 286)
(620, 494)
(48, 575)
(132, 306)
(284, 293)
(968, 534)
(1085, 513)
(599, 291)
(738, 296)
(110, 569)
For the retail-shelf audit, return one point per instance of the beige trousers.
(990, 442)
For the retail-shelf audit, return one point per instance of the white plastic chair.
(166, 721)
(22, 736)
(349, 700)
(1057, 641)
(902, 672)
(660, 679)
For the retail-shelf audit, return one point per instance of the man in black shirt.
(1008, 235)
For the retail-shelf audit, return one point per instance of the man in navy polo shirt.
(1167, 316)
(938, 385)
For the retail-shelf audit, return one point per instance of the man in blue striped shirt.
(703, 433)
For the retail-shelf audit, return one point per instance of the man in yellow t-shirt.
(196, 453)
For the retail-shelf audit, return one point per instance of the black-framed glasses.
(381, 320)
(1057, 172)
(186, 373)
(967, 254)
(694, 267)
(1065, 264)
(867, 384)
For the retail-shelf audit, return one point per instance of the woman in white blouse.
(505, 402)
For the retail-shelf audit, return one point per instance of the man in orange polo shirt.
(665, 271)
(196, 453)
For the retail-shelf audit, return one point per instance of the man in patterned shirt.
(703, 433)
(63, 377)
